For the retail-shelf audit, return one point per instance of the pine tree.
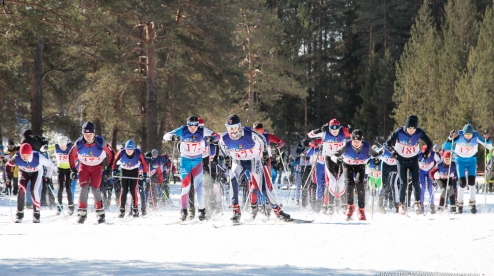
(416, 72)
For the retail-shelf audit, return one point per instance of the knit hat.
(26, 149)
(87, 127)
(232, 119)
(468, 129)
(412, 121)
(130, 145)
(27, 132)
(446, 154)
(357, 134)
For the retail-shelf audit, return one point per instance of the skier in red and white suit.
(92, 153)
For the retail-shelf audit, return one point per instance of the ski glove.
(395, 154)
(175, 138)
(334, 158)
(209, 139)
(228, 162)
(73, 174)
(144, 177)
(451, 135)
(425, 155)
(46, 179)
(148, 154)
(116, 172)
(265, 158)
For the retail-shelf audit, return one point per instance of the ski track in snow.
(158, 244)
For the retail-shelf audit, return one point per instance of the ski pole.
(171, 163)
(59, 206)
(449, 171)
(284, 168)
(151, 186)
(269, 174)
(10, 203)
(486, 135)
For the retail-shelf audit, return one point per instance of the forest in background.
(138, 69)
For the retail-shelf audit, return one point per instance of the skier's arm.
(143, 163)
(319, 132)
(338, 154)
(11, 162)
(428, 142)
(432, 172)
(215, 137)
(73, 156)
(45, 162)
(487, 144)
(273, 139)
(168, 136)
(115, 160)
(388, 145)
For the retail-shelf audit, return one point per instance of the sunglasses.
(232, 127)
(192, 123)
(334, 127)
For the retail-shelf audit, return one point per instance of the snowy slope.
(159, 245)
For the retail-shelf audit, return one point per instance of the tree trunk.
(152, 91)
(37, 88)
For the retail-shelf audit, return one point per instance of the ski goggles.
(193, 123)
(233, 127)
(334, 127)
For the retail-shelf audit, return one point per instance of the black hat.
(193, 119)
(412, 121)
(87, 127)
(257, 125)
(27, 132)
(232, 119)
(357, 134)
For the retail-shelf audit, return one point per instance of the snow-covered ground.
(158, 245)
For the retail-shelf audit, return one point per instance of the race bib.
(406, 151)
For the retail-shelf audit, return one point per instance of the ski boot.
(143, 211)
(36, 216)
(19, 216)
(253, 211)
(122, 213)
(135, 212)
(236, 213)
(183, 214)
(452, 209)
(473, 209)
(350, 208)
(202, 214)
(402, 208)
(71, 210)
(396, 208)
(433, 209)
(59, 210)
(81, 215)
(361, 214)
(419, 209)
(459, 206)
(100, 215)
(192, 213)
(382, 210)
(281, 215)
(267, 209)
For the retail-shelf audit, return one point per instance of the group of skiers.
(338, 161)
(332, 164)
